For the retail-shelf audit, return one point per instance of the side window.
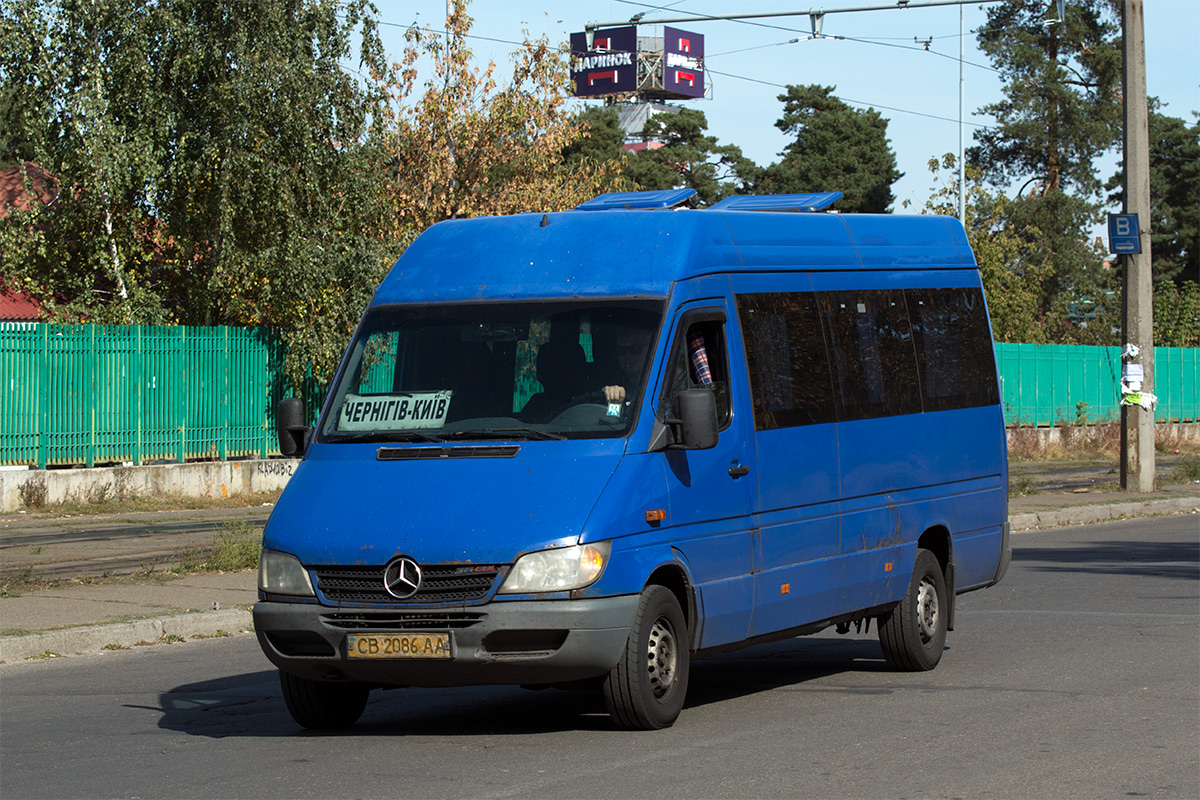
(699, 360)
(954, 348)
(872, 346)
(789, 367)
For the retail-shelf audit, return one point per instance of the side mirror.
(698, 419)
(289, 425)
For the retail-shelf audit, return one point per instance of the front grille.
(436, 621)
(455, 583)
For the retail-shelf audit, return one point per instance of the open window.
(699, 360)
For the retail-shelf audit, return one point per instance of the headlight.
(282, 573)
(557, 570)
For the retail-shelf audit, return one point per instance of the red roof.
(12, 188)
(16, 307)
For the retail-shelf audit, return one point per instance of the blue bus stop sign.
(1123, 234)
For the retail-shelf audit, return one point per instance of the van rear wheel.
(646, 689)
(320, 704)
(913, 634)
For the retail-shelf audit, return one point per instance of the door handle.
(738, 470)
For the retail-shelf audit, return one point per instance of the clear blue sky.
(877, 64)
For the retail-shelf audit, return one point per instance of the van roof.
(631, 253)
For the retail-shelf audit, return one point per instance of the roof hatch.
(668, 198)
(818, 201)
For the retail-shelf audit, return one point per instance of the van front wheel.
(913, 634)
(320, 704)
(646, 689)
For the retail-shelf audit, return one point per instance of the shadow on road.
(251, 705)
(1128, 557)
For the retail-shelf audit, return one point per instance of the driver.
(633, 344)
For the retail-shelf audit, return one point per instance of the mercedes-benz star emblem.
(402, 578)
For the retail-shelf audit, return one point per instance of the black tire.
(913, 634)
(646, 689)
(319, 704)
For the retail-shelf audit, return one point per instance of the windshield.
(544, 370)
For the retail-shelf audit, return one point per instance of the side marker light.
(887, 567)
(785, 588)
(654, 515)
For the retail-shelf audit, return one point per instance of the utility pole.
(1137, 316)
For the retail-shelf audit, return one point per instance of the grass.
(1097, 442)
(235, 547)
(1186, 471)
(1023, 486)
(149, 503)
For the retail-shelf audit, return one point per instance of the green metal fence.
(88, 394)
(1054, 384)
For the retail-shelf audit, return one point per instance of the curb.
(1035, 520)
(94, 638)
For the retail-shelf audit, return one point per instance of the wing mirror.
(294, 435)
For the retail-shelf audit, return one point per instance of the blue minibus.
(585, 448)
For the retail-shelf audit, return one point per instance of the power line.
(853, 102)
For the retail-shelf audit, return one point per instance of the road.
(1078, 676)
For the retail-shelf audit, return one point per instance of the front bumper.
(517, 642)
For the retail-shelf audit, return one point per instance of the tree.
(1062, 104)
(76, 89)
(1174, 199)
(213, 164)
(601, 141)
(470, 146)
(836, 148)
(688, 158)
(1061, 110)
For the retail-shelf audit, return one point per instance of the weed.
(173, 638)
(1188, 469)
(34, 493)
(1022, 486)
(237, 546)
(43, 656)
(190, 561)
(36, 551)
(220, 634)
(99, 493)
(15, 631)
(115, 646)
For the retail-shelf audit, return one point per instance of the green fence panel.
(1062, 384)
(89, 394)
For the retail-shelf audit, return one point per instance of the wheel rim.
(927, 610)
(661, 657)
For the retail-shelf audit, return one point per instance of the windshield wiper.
(505, 433)
(386, 436)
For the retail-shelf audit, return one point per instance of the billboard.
(683, 62)
(609, 67)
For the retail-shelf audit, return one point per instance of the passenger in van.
(562, 370)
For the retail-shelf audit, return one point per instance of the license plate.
(398, 645)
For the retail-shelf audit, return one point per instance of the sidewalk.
(90, 617)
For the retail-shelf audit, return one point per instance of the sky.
(881, 62)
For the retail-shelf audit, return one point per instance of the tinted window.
(875, 366)
(954, 348)
(785, 351)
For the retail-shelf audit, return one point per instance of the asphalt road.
(1078, 676)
